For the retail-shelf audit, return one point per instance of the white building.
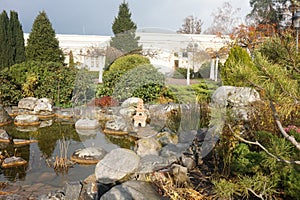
(165, 50)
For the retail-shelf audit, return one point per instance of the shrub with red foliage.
(105, 101)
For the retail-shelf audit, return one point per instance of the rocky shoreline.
(184, 156)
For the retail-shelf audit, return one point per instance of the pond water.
(37, 176)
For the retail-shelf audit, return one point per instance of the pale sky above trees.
(96, 16)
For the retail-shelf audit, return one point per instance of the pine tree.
(17, 38)
(4, 41)
(42, 45)
(124, 30)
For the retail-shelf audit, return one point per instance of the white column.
(101, 66)
(212, 70)
(188, 75)
(216, 68)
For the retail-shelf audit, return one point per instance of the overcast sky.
(96, 16)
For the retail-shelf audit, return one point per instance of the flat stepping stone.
(114, 132)
(87, 124)
(13, 162)
(26, 120)
(90, 155)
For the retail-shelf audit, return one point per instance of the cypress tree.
(4, 41)
(124, 30)
(17, 38)
(42, 45)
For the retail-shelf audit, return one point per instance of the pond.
(38, 177)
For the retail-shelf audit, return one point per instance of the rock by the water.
(174, 150)
(13, 161)
(132, 190)
(27, 103)
(160, 113)
(89, 155)
(116, 165)
(27, 128)
(46, 123)
(87, 124)
(43, 104)
(166, 138)
(148, 146)
(237, 98)
(118, 124)
(26, 120)
(132, 101)
(57, 195)
(73, 190)
(65, 113)
(3, 134)
(149, 163)
(127, 112)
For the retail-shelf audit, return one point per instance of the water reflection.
(47, 147)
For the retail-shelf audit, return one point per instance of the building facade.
(166, 51)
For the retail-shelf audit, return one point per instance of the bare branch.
(263, 148)
(284, 133)
(257, 195)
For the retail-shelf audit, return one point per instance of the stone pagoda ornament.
(140, 117)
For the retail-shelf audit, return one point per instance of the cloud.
(96, 16)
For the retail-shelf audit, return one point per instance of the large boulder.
(150, 163)
(148, 146)
(235, 98)
(27, 103)
(87, 124)
(131, 102)
(116, 165)
(89, 155)
(116, 126)
(26, 120)
(132, 190)
(43, 104)
(160, 113)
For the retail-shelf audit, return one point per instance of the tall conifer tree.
(4, 41)
(124, 30)
(42, 45)
(17, 38)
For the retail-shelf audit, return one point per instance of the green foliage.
(52, 80)
(30, 85)
(115, 72)
(225, 189)
(42, 45)
(183, 93)
(84, 90)
(12, 49)
(17, 39)
(273, 80)
(204, 89)
(255, 173)
(71, 59)
(5, 50)
(132, 75)
(124, 30)
(237, 67)
(180, 73)
(144, 82)
(10, 93)
(245, 161)
(281, 50)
